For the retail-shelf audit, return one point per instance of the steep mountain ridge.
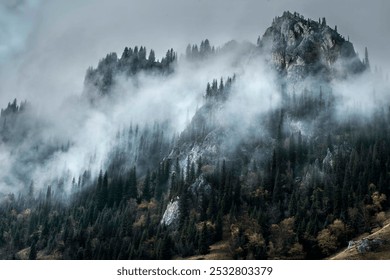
(300, 47)
(258, 171)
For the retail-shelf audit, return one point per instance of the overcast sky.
(46, 45)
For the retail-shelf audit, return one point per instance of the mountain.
(278, 150)
(129, 64)
(299, 47)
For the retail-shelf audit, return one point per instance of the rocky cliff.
(300, 47)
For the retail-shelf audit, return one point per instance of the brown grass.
(383, 253)
(218, 251)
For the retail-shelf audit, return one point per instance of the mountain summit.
(178, 157)
(300, 47)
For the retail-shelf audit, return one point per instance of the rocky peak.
(300, 47)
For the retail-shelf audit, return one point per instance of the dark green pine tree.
(212, 209)
(184, 209)
(218, 227)
(188, 168)
(33, 251)
(132, 184)
(192, 172)
(366, 59)
(199, 167)
(118, 190)
(188, 51)
(103, 192)
(165, 252)
(203, 245)
(147, 192)
(237, 196)
(151, 58)
(208, 91)
(48, 194)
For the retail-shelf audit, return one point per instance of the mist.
(81, 136)
(89, 131)
(362, 96)
(63, 39)
(49, 45)
(155, 130)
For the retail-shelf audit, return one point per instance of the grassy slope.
(383, 252)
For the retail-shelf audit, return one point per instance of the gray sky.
(46, 45)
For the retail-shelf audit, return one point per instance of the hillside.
(380, 253)
(274, 150)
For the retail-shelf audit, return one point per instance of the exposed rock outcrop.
(171, 214)
(366, 245)
(300, 47)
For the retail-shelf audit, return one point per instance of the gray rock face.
(301, 47)
(171, 214)
(328, 160)
(366, 245)
(200, 186)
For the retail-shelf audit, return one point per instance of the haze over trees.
(284, 168)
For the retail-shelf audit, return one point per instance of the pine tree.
(219, 227)
(221, 87)
(48, 194)
(147, 193)
(165, 252)
(203, 246)
(103, 192)
(208, 91)
(132, 183)
(184, 209)
(199, 167)
(151, 58)
(366, 59)
(125, 54)
(188, 52)
(33, 252)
